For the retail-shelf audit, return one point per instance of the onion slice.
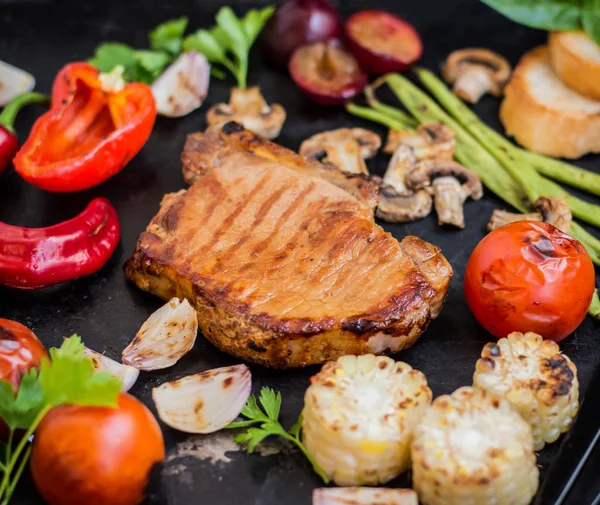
(205, 402)
(125, 373)
(13, 82)
(165, 337)
(364, 496)
(183, 86)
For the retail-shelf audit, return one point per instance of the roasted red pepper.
(9, 143)
(95, 126)
(35, 257)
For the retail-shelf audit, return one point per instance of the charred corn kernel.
(533, 375)
(359, 426)
(473, 448)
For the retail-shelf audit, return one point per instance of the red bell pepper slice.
(90, 133)
(32, 258)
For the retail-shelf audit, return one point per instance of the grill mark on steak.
(292, 207)
(264, 209)
(228, 221)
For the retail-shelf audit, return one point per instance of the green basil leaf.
(591, 19)
(560, 15)
(168, 36)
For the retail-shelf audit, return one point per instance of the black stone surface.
(41, 36)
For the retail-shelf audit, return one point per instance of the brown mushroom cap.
(248, 107)
(401, 207)
(344, 148)
(552, 210)
(430, 140)
(450, 183)
(475, 71)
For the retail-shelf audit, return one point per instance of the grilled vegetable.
(533, 375)
(359, 416)
(473, 444)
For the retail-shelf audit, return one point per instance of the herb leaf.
(168, 36)
(111, 54)
(591, 19)
(254, 21)
(270, 426)
(560, 15)
(204, 42)
(69, 378)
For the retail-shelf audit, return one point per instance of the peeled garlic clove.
(363, 496)
(125, 373)
(13, 82)
(205, 402)
(183, 86)
(165, 337)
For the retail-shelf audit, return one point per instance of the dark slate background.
(41, 36)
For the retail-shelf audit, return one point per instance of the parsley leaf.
(231, 36)
(168, 36)
(111, 54)
(270, 426)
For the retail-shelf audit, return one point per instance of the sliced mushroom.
(345, 148)
(450, 184)
(475, 72)
(430, 141)
(401, 207)
(248, 107)
(552, 210)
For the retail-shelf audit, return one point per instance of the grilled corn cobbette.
(473, 448)
(533, 375)
(359, 416)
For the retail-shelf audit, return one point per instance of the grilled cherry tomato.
(96, 455)
(20, 350)
(529, 276)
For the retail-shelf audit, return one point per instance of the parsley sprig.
(229, 42)
(67, 378)
(268, 419)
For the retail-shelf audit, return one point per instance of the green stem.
(594, 309)
(388, 110)
(376, 116)
(10, 464)
(242, 73)
(511, 158)
(318, 470)
(17, 475)
(12, 108)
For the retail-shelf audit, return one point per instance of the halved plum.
(382, 42)
(327, 73)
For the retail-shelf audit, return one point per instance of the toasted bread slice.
(546, 116)
(576, 60)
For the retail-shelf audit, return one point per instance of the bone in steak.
(282, 259)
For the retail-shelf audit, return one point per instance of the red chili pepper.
(9, 143)
(35, 257)
(91, 132)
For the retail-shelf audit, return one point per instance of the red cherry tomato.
(20, 350)
(529, 276)
(96, 455)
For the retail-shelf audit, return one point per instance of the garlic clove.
(183, 86)
(125, 373)
(13, 82)
(165, 337)
(364, 496)
(204, 402)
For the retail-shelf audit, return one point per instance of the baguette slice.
(546, 116)
(576, 60)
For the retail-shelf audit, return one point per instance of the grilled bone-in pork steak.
(282, 259)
